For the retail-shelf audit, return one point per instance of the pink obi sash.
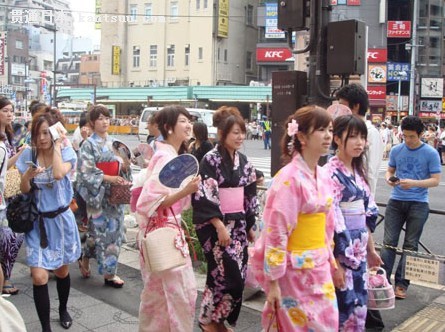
(231, 200)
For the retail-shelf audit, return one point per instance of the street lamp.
(401, 74)
(54, 30)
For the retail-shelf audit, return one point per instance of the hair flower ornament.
(292, 128)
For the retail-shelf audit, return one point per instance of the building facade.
(178, 42)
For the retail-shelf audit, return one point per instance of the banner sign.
(116, 60)
(376, 92)
(223, 19)
(399, 29)
(433, 106)
(272, 21)
(273, 54)
(377, 55)
(377, 73)
(2, 56)
(398, 71)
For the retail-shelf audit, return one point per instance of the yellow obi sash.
(310, 232)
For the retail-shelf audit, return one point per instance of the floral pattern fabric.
(350, 244)
(168, 297)
(106, 221)
(304, 276)
(226, 266)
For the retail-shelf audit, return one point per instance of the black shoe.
(65, 320)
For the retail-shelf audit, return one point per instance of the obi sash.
(231, 200)
(354, 214)
(310, 232)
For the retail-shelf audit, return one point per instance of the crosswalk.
(262, 164)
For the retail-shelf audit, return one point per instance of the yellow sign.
(116, 60)
(97, 25)
(223, 19)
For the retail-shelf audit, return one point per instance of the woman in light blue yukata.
(106, 221)
(54, 241)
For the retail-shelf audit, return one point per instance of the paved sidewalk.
(95, 307)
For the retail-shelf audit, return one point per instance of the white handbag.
(164, 248)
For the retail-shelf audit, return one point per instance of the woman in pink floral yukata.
(168, 298)
(293, 258)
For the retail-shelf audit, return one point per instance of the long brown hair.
(309, 119)
(49, 115)
(8, 128)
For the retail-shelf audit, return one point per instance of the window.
(248, 60)
(219, 54)
(153, 55)
(200, 53)
(136, 56)
(187, 56)
(19, 44)
(225, 55)
(148, 12)
(206, 4)
(174, 11)
(171, 56)
(249, 15)
(133, 12)
(198, 4)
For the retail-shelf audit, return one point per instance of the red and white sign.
(353, 2)
(275, 54)
(399, 29)
(377, 55)
(2, 56)
(377, 92)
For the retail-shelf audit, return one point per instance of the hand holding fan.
(179, 171)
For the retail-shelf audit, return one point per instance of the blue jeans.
(267, 140)
(397, 213)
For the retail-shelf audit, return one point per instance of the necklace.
(49, 184)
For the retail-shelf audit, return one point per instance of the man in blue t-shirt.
(413, 168)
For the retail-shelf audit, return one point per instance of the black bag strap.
(4, 160)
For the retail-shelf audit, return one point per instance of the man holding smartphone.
(413, 168)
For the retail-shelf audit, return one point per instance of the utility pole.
(319, 81)
(412, 80)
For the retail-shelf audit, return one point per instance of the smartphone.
(31, 163)
(394, 179)
(55, 128)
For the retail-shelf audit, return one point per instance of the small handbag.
(21, 213)
(119, 194)
(164, 248)
(380, 292)
(12, 183)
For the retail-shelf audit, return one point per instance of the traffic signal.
(292, 15)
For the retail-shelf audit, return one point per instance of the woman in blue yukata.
(54, 241)
(106, 221)
(355, 217)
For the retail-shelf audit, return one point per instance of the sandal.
(114, 282)
(9, 289)
(85, 272)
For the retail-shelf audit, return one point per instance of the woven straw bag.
(164, 248)
(160, 252)
(12, 183)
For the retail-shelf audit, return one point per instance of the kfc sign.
(377, 92)
(399, 29)
(273, 54)
(377, 55)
